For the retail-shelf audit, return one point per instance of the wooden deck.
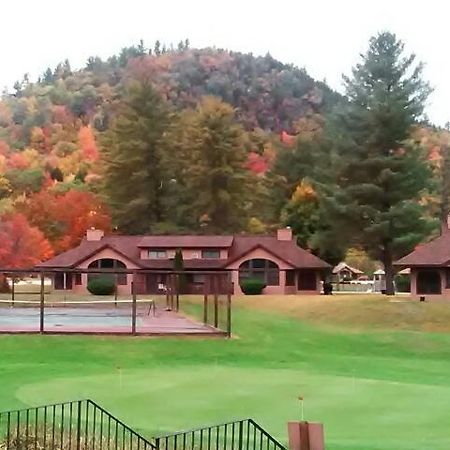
(18, 320)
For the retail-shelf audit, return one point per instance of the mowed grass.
(376, 372)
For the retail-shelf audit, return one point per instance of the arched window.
(108, 263)
(428, 282)
(262, 269)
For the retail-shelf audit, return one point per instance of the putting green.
(354, 409)
(376, 373)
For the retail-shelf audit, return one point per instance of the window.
(290, 277)
(198, 278)
(211, 254)
(262, 269)
(108, 263)
(78, 279)
(157, 254)
(428, 282)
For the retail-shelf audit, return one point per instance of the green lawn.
(377, 373)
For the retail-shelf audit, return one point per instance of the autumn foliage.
(64, 218)
(22, 245)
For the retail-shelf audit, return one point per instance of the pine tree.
(445, 186)
(134, 174)
(213, 172)
(157, 48)
(178, 266)
(380, 177)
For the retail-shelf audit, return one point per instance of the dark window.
(198, 278)
(307, 280)
(210, 254)
(262, 269)
(108, 263)
(78, 279)
(290, 277)
(428, 282)
(447, 279)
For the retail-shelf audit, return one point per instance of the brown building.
(430, 269)
(285, 267)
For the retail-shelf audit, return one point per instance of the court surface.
(97, 319)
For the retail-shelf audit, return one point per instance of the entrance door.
(307, 280)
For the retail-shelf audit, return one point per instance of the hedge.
(252, 286)
(101, 286)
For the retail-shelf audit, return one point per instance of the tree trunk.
(388, 270)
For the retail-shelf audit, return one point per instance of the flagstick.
(120, 377)
(302, 408)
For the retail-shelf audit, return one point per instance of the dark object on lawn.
(327, 288)
(101, 286)
(252, 286)
(422, 298)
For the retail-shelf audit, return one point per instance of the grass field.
(376, 372)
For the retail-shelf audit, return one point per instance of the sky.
(325, 37)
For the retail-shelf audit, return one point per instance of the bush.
(4, 286)
(402, 283)
(101, 286)
(252, 286)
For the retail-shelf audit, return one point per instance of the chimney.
(284, 234)
(92, 234)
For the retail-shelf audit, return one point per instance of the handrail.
(238, 434)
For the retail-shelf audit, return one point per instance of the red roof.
(129, 247)
(434, 253)
(187, 241)
(288, 251)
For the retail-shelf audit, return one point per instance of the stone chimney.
(92, 234)
(284, 234)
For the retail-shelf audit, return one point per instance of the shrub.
(252, 286)
(4, 286)
(402, 283)
(101, 286)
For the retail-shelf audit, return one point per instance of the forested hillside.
(167, 140)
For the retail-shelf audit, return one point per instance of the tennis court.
(146, 317)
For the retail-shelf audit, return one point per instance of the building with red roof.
(278, 260)
(429, 266)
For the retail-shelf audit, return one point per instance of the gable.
(258, 252)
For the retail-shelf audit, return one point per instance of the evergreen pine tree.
(178, 266)
(134, 172)
(213, 173)
(380, 178)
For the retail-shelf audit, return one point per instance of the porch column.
(235, 281)
(413, 280)
(318, 280)
(443, 281)
(282, 281)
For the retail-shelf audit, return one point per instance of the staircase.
(84, 425)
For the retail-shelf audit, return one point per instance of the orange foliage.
(18, 161)
(22, 245)
(88, 145)
(64, 218)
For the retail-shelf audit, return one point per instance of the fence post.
(216, 301)
(229, 314)
(12, 290)
(205, 308)
(79, 426)
(42, 299)
(241, 431)
(133, 309)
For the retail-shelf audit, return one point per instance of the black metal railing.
(77, 425)
(243, 434)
